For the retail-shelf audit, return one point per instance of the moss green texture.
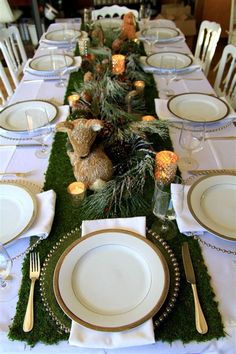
(180, 324)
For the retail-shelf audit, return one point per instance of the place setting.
(126, 311)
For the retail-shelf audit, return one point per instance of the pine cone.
(107, 130)
(119, 152)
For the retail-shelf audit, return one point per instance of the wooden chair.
(225, 82)
(7, 15)
(13, 52)
(208, 37)
(112, 11)
(5, 87)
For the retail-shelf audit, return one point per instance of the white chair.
(225, 82)
(112, 11)
(5, 87)
(13, 52)
(208, 37)
(7, 15)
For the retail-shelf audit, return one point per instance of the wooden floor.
(191, 42)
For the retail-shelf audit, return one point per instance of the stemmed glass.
(62, 70)
(9, 284)
(168, 64)
(191, 140)
(39, 129)
(163, 207)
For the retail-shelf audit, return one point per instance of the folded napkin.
(141, 335)
(185, 221)
(6, 153)
(41, 226)
(55, 73)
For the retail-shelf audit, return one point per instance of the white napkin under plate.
(141, 335)
(6, 153)
(41, 227)
(185, 221)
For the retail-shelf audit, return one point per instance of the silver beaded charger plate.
(46, 281)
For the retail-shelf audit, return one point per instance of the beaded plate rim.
(158, 318)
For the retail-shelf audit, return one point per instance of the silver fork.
(34, 275)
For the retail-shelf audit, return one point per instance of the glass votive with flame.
(139, 86)
(73, 101)
(165, 166)
(118, 64)
(77, 191)
(148, 118)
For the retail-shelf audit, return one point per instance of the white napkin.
(141, 335)
(45, 214)
(6, 153)
(185, 221)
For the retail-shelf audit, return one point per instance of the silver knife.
(221, 170)
(22, 145)
(200, 320)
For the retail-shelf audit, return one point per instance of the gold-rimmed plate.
(198, 107)
(49, 64)
(161, 34)
(212, 203)
(182, 61)
(13, 121)
(18, 209)
(62, 36)
(111, 280)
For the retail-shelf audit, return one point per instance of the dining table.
(218, 253)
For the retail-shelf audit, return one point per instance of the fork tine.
(37, 263)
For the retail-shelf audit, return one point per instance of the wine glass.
(62, 68)
(191, 140)
(39, 129)
(163, 209)
(9, 284)
(145, 17)
(150, 38)
(168, 65)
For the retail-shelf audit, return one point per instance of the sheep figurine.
(90, 163)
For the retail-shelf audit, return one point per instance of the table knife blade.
(200, 321)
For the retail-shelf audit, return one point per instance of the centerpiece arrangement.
(113, 132)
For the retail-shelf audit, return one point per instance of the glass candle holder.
(148, 118)
(139, 86)
(77, 191)
(165, 166)
(73, 101)
(83, 46)
(118, 64)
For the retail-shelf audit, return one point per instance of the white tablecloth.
(222, 267)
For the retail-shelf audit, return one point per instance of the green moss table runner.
(179, 325)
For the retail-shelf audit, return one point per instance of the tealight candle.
(73, 100)
(148, 118)
(77, 192)
(118, 64)
(166, 166)
(139, 86)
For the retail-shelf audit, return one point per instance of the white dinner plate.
(17, 211)
(13, 120)
(212, 202)
(49, 64)
(111, 280)
(62, 36)
(162, 34)
(182, 61)
(198, 107)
